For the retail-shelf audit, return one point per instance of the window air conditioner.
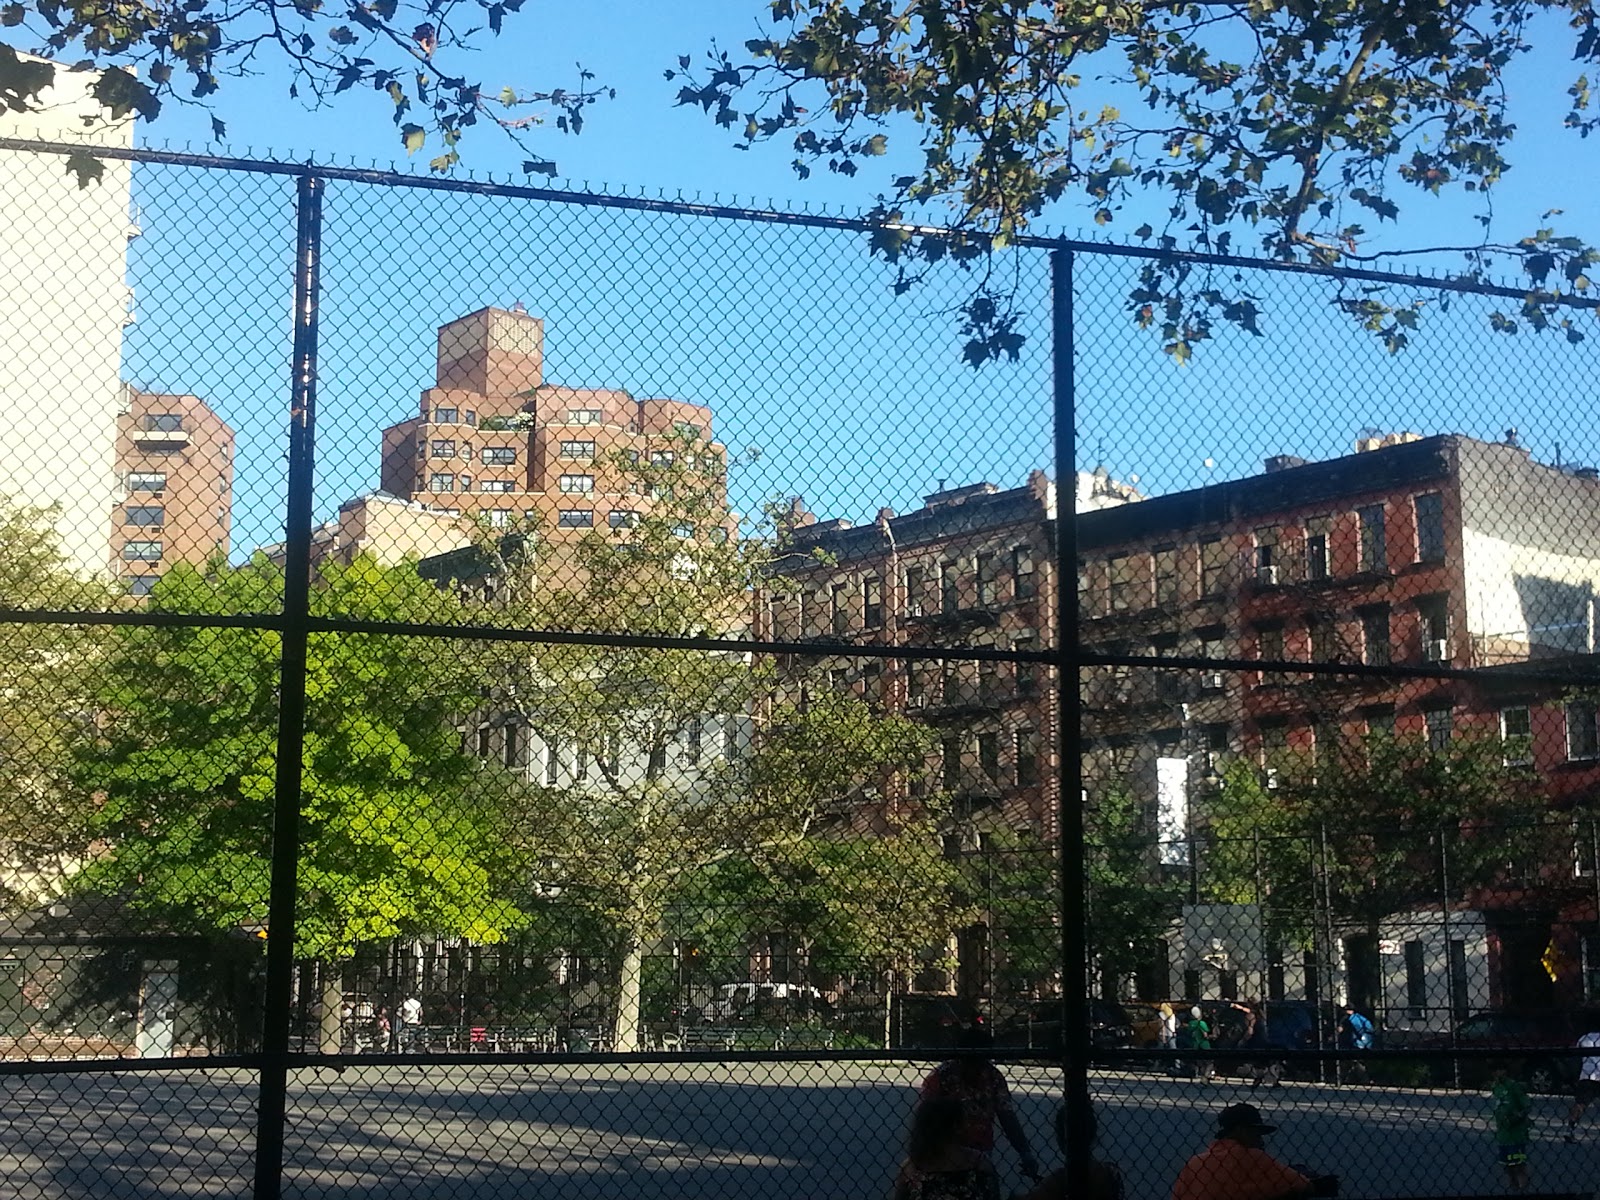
(917, 702)
(1436, 650)
(1271, 779)
(1267, 575)
(1211, 681)
(914, 609)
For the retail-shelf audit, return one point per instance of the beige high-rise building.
(64, 302)
(496, 442)
(174, 460)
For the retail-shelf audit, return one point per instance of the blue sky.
(851, 396)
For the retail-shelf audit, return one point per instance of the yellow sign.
(1554, 961)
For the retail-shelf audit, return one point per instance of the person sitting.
(939, 1165)
(1105, 1181)
(1236, 1167)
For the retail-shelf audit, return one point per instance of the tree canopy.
(48, 673)
(400, 834)
(1284, 127)
(153, 53)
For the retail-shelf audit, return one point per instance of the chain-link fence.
(610, 736)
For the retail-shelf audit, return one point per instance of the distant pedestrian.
(1587, 1088)
(985, 1098)
(1197, 1036)
(1264, 1068)
(1105, 1181)
(410, 1024)
(380, 1030)
(1355, 1033)
(939, 1164)
(1513, 1119)
(1169, 1033)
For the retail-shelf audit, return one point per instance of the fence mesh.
(694, 704)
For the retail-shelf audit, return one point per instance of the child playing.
(1513, 1117)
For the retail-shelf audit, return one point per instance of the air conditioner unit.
(914, 609)
(1211, 681)
(1270, 779)
(1436, 650)
(1267, 575)
(917, 702)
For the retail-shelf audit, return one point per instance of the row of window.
(167, 422)
(147, 481)
(1136, 581)
(141, 551)
(152, 516)
(992, 757)
(444, 482)
(563, 764)
(948, 587)
(493, 456)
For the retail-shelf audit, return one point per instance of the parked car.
(1530, 1038)
(1039, 1027)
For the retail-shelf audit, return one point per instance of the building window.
(1317, 548)
(1375, 648)
(683, 529)
(950, 587)
(147, 481)
(499, 518)
(552, 762)
(917, 599)
(1321, 632)
(1379, 720)
(580, 450)
(576, 485)
(583, 416)
(503, 456)
(575, 518)
(496, 486)
(1027, 756)
(872, 684)
(446, 416)
(691, 741)
(167, 422)
(989, 756)
(662, 458)
(988, 579)
(916, 682)
(441, 483)
(951, 764)
(622, 518)
(1166, 574)
(1120, 575)
(1416, 980)
(141, 552)
(1269, 643)
(142, 585)
(1433, 621)
(512, 750)
(1267, 556)
(466, 483)
(839, 600)
(871, 602)
(1374, 550)
(1213, 566)
(1027, 672)
(442, 448)
(1583, 741)
(1440, 725)
(1023, 584)
(1430, 527)
(145, 515)
(1516, 735)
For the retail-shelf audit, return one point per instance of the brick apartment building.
(174, 461)
(1442, 551)
(495, 441)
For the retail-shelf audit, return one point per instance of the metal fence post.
(292, 695)
(1069, 800)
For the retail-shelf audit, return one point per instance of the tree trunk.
(626, 1039)
(330, 1010)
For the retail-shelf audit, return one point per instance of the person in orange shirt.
(1235, 1167)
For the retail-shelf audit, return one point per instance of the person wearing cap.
(985, 1098)
(1235, 1167)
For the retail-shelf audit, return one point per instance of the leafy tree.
(1379, 818)
(152, 53)
(663, 769)
(1282, 127)
(1130, 903)
(48, 673)
(1013, 883)
(401, 833)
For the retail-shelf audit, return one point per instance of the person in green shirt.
(1513, 1118)
(1199, 1038)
